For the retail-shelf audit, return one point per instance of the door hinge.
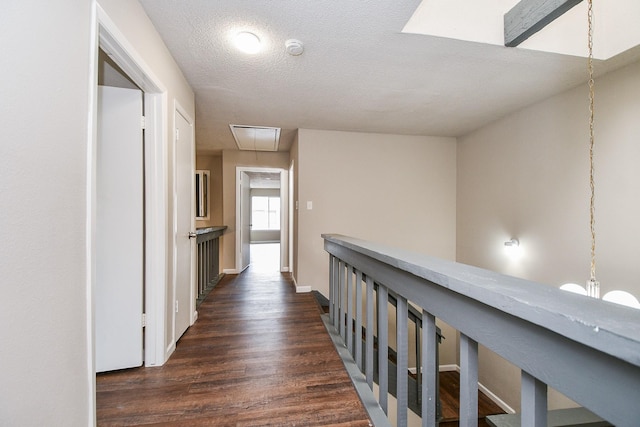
(177, 134)
(144, 122)
(176, 306)
(144, 320)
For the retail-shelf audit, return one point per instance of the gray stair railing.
(587, 349)
(208, 259)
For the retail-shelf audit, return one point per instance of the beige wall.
(45, 55)
(393, 189)
(526, 176)
(231, 160)
(214, 165)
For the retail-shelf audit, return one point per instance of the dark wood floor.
(258, 355)
(449, 396)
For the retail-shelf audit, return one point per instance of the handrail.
(208, 259)
(585, 348)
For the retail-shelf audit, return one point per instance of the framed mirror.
(202, 194)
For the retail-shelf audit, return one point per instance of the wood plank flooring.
(449, 397)
(257, 356)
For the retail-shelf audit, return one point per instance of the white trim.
(284, 270)
(155, 230)
(90, 182)
(501, 403)
(284, 219)
(449, 368)
(231, 271)
(291, 190)
(110, 39)
(284, 215)
(303, 289)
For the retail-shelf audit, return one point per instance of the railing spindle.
(342, 300)
(534, 402)
(336, 294)
(369, 334)
(332, 284)
(358, 327)
(429, 370)
(349, 322)
(383, 346)
(402, 349)
(468, 382)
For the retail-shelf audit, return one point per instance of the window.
(265, 213)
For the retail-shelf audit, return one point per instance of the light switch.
(309, 205)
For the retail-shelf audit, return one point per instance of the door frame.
(284, 215)
(109, 38)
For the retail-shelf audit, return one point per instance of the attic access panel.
(256, 138)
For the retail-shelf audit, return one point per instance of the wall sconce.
(513, 249)
(513, 243)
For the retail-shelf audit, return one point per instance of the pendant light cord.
(591, 143)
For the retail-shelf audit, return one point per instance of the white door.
(119, 230)
(185, 296)
(245, 220)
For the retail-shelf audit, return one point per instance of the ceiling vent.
(256, 138)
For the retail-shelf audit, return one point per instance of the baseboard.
(491, 395)
(194, 317)
(169, 350)
(284, 270)
(501, 403)
(441, 368)
(302, 289)
(230, 271)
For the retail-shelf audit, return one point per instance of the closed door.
(184, 225)
(119, 230)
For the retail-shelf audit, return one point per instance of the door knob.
(192, 235)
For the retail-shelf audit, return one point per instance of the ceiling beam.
(530, 16)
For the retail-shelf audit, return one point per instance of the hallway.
(258, 355)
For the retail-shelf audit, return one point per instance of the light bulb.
(247, 42)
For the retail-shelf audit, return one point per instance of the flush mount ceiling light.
(247, 42)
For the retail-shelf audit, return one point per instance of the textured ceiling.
(358, 72)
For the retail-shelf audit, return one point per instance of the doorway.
(111, 44)
(262, 217)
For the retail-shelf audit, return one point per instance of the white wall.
(393, 189)
(526, 176)
(45, 57)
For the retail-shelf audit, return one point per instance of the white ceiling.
(358, 72)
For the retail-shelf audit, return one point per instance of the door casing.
(284, 215)
(114, 43)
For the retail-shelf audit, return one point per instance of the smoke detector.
(294, 47)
